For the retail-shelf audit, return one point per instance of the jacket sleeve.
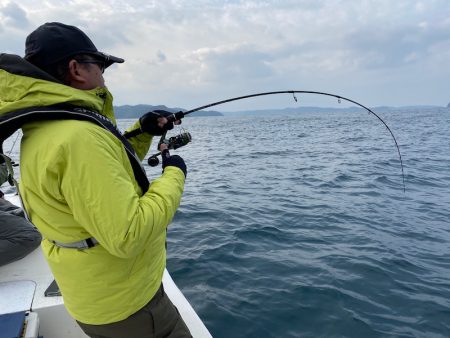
(97, 183)
(141, 143)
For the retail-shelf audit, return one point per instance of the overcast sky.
(189, 53)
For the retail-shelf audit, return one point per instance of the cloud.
(14, 15)
(234, 63)
(197, 48)
(161, 56)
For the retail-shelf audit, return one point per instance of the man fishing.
(103, 227)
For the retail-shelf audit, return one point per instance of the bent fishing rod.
(185, 138)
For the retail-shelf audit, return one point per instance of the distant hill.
(128, 112)
(308, 109)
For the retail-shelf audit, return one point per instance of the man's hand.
(174, 161)
(156, 122)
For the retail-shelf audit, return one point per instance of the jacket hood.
(23, 85)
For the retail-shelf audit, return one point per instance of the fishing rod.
(185, 138)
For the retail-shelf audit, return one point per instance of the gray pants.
(158, 319)
(18, 237)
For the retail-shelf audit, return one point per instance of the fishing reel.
(173, 142)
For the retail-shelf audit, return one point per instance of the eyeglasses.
(101, 64)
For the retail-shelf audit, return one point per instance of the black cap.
(54, 41)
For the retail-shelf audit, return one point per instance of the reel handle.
(153, 160)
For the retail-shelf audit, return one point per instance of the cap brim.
(109, 59)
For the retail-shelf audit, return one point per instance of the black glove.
(173, 161)
(149, 122)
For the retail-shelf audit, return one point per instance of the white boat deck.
(31, 274)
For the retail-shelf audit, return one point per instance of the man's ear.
(75, 73)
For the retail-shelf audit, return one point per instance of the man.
(18, 237)
(79, 186)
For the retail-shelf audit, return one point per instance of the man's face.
(93, 73)
(86, 72)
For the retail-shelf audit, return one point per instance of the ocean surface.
(298, 226)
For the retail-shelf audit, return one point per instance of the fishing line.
(181, 114)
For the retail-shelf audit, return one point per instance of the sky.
(190, 53)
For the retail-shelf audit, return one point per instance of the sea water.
(297, 225)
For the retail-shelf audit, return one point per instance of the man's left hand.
(156, 122)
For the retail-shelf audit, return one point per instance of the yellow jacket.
(77, 182)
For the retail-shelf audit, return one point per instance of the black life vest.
(11, 122)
